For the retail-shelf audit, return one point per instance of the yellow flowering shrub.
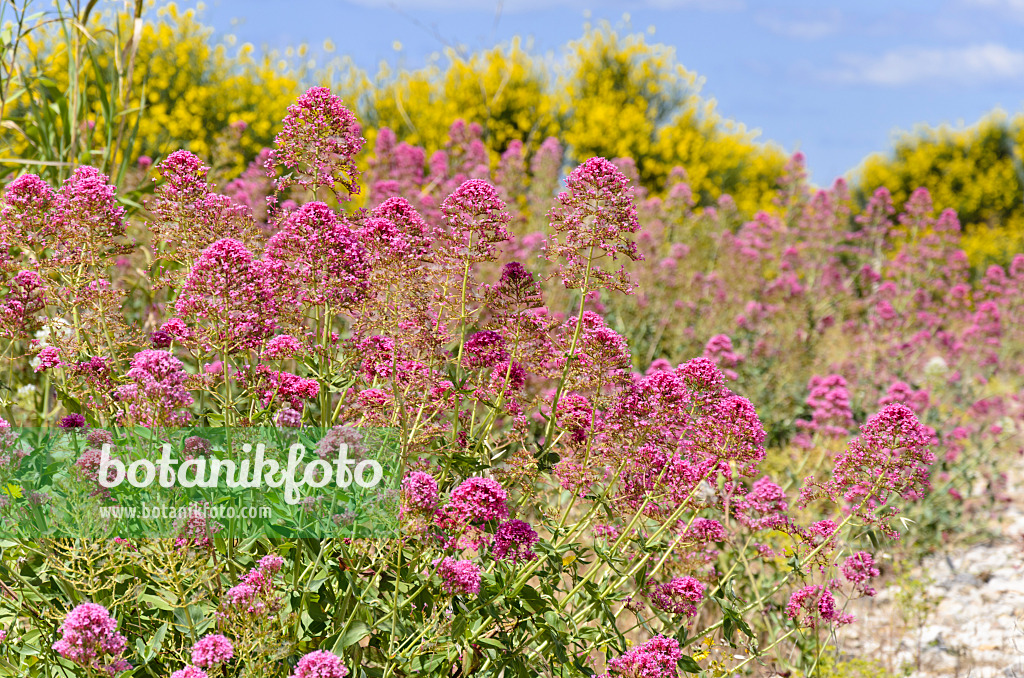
(503, 89)
(194, 88)
(606, 95)
(974, 171)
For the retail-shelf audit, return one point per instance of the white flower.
(936, 367)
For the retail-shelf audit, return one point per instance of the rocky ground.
(959, 615)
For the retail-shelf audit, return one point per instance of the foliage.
(976, 171)
(553, 500)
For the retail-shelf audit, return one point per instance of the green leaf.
(355, 633)
(689, 665)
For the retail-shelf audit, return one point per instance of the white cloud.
(804, 28)
(967, 65)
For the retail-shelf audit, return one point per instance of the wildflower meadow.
(520, 408)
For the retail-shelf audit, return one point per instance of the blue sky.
(833, 79)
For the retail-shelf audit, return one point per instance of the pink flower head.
(813, 603)
(719, 349)
(271, 563)
(574, 416)
(513, 541)
(764, 507)
(282, 347)
(830, 403)
(396, 233)
(317, 259)
(733, 432)
(24, 215)
(196, 529)
(706, 530)
(476, 219)
(889, 459)
(703, 377)
(593, 218)
(21, 306)
(158, 393)
(478, 500)
(484, 349)
(318, 144)
(419, 491)
(90, 639)
(184, 178)
(175, 328)
(49, 358)
(458, 576)
(72, 422)
(85, 211)
(858, 569)
(518, 286)
(657, 658)
(320, 664)
(211, 651)
(190, 672)
(679, 596)
(227, 291)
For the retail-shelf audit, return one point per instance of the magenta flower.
(476, 220)
(458, 576)
(72, 422)
(513, 540)
(24, 214)
(591, 222)
(158, 393)
(479, 500)
(812, 604)
(419, 491)
(858, 569)
(396, 233)
(90, 639)
(228, 293)
(678, 596)
(318, 144)
(190, 672)
(49, 358)
(320, 664)
(211, 651)
(889, 459)
(282, 347)
(21, 306)
(316, 259)
(657, 658)
(271, 563)
(86, 216)
(484, 349)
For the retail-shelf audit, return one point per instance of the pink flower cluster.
(90, 639)
(657, 658)
(889, 459)
(419, 492)
(320, 664)
(513, 541)
(212, 650)
(829, 400)
(813, 604)
(158, 395)
(458, 577)
(859, 569)
(591, 221)
(678, 596)
(477, 500)
(318, 144)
